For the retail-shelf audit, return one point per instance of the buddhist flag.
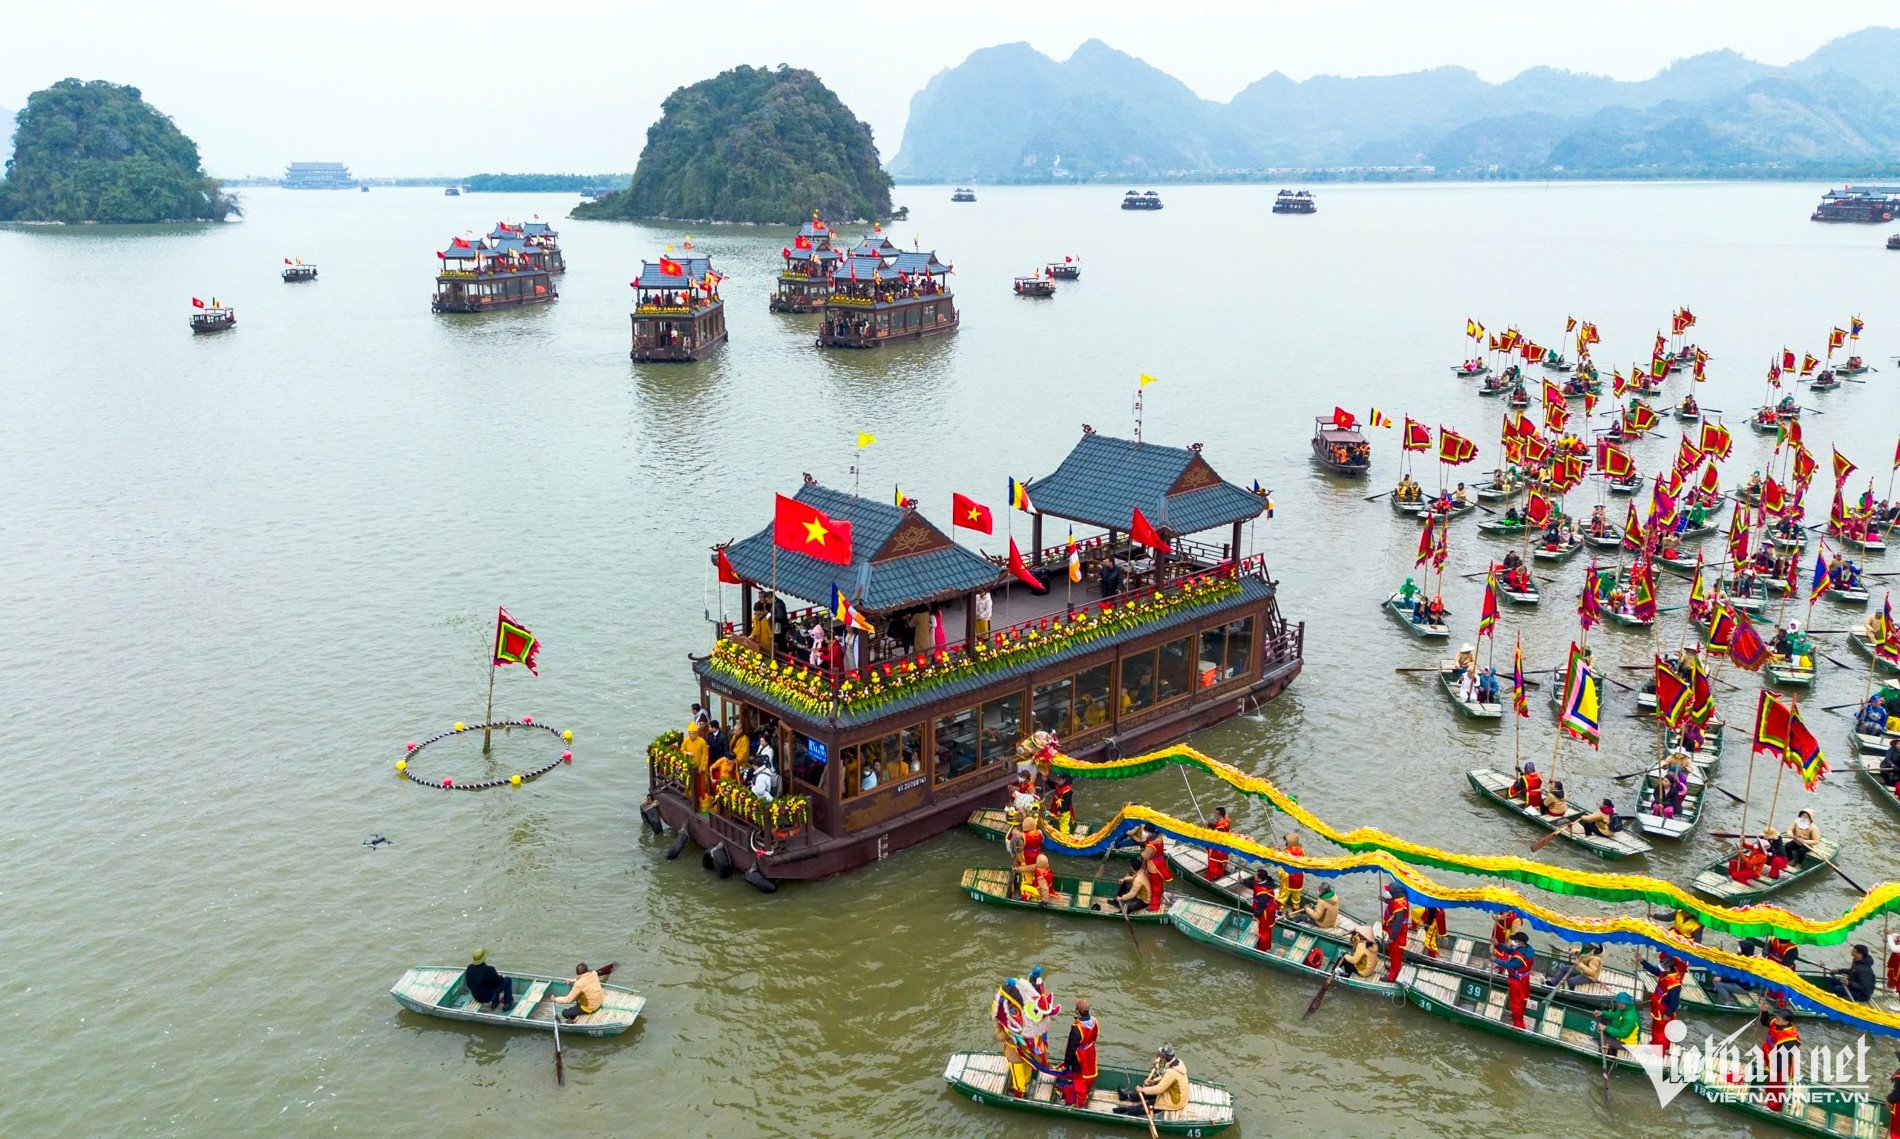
(1146, 379)
(1075, 558)
(727, 575)
(1519, 701)
(902, 500)
(1581, 712)
(1488, 615)
(1842, 468)
(1019, 497)
(514, 644)
(1425, 544)
(1418, 437)
(846, 613)
(1454, 448)
(1141, 530)
(970, 514)
(806, 530)
(1380, 418)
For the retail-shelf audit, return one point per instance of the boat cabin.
(1035, 285)
(804, 280)
(1868, 205)
(900, 295)
(892, 727)
(214, 318)
(1342, 450)
(490, 273)
(296, 270)
(677, 311)
(1134, 200)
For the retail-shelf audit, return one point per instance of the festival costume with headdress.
(1022, 1016)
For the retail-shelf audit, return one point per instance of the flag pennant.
(807, 530)
(1633, 531)
(1520, 703)
(1745, 646)
(1019, 497)
(1473, 329)
(1379, 418)
(1804, 465)
(1021, 572)
(1614, 461)
(727, 575)
(1425, 544)
(1075, 558)
(1343, 419)
(1581, 708)
(902, 500)
(1454, 448)
(1855, 326)
(1418, 437)
(1804, 751)
(1774, 498)
(1537, 510)
(1642, 591)
(1711, 481)
(1488, 615)
(846, 613)
(1556, 417)
(1640, 417)
(1842, 467)
(1773, 722)
(1672, 695)
(514, 644)
(1835, 338)
(1688, 456)
(1808, 364)
(970, 514)
(1819, 583)
(1589, 608)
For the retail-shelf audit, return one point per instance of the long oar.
(1546, 840)
(1733, 796)
(1377, 497)
(1147, 1110)
(1831, 660)
(1844, 877)
(1331, 976)
(560, 1073)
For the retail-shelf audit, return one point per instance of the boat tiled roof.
(651, 278)
(815, 255)
(898, 559)
(537, 229)
(862, 269)
(1104, 479)
(814, 228)
(918, 261)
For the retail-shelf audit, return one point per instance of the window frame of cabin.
(1188, 658)
(971, 715)
(850, 792)
(1066, 724)
(1106, 699)
(1134, 704)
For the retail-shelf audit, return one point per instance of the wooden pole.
(489, 717)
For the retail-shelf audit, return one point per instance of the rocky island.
(753, 145)
(98, 152)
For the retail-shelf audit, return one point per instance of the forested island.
(98, 152)
(523, 183)
(753, 145)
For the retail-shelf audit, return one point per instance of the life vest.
(1396, 920)
(1517, 963)
(1265, 901)
(1533, 785)
(1085, 1048)
(1295, 879)
(1667, 988)
(1778, 950)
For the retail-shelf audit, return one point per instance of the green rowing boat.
(1402, 613)
(1235, 931)
(1714, 880)
(1721, 1078)
(983, 1076)
(1480, 1004)
(1494, 786)
(439, 990)
(1883, 661)
(1072, 895)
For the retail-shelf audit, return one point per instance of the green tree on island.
(753, 145)
(97, 151)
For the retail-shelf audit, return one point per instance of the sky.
(396, 88)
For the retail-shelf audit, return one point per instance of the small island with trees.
(98, 152)
(753, 145)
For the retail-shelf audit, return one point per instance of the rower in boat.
(1665, 999)
(1787, 408)
(1165, 1090)
(1688, 409)
(1602, 822)
(1620, 1025)
(1827, 380)
(1791, 656)
(1516, 962)
(1408, 492)
(1585, 968)
(1133, 893)
(1854, 366)
(584, 994)
(1520, 396)
(1804, 835)
(1857, 983)
(1395, 923)
(1217, 855)
(1266, 907)
(1528, 787)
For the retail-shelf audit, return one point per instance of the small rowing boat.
(1547, 552)
(1752, 596)
(1677, 824)
(1465, 372)
(1529, 595)
(1474, 708)
(1610, 539)
(992, 823)
(1481, 1003)
(995, 887)
(1884, 660)
(1709, 754)
(1626, 486)
(983, 1076)
(1495, 786)
(1501, 526)
(1789, 672)
(1868, 763)
(440, 990)
(1869, 542)
(1473, 957)
(1402, 613)
(1235, 931)
(1680, 562)
(1854, 596)
(1500, 490)
(1409, 507)
(1722, 1077)
(1716, 882)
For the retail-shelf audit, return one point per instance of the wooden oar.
(1145, 1108)
(1130, 923)
(1377, 497)
(560, 1073)
(1832, 660)
(1731, 795)
(1603, 1059)
(1843, 874)
(1815, 410)
(1545, 841)
(1618, 683)
(1838, 707)
(1333, 975)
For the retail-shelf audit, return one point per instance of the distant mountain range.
(1012, 114)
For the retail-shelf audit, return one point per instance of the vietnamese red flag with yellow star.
(970, 514)
(806, 530)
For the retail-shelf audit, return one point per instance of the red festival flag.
(1716, 440)
(1519, 702)
(1021, 572)
(514, 644)
(727, 575)
(806, 530)
(1454, 448)
(970, 514)
(1488, 615)
(1842, 468)
(671, 268)
(801, 242)
(1425, 544)
(1141, 530)
(196, 303)
(1418, 437)
(1343, 419)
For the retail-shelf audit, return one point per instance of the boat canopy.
(651, 278)
(1104, 479)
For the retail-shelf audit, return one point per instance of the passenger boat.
(1502, 527)
(1501, 488)
(1141, 201)
(1341, 450)
(1680, 825)
(1234, 931)
(1064, 270)
(983, 1076)
(962, 194)
(1868, 542)
(996, 887)
(451, 191)
(1495, 785)
(804, 276)
(1475, 709)
(1868, 205)
(1402, 613)
(296, 270)
(439, 990)
(1884, 661)
(881, 294)
(1520, 396)
(1687, 413)
(1553, 362)
(1035, 286)
(1495, 384)
(1189, 637)
(1855, 366)
(1788, 673)
(487, 274)
(1480, 1003)
(1549, 552)
(1678, 561)
(1893, 241)
(1294, 202)
(1824, 381)
(214, 318)
(1722, 1078)
(1471, 368)
(1854, 597)
(533, 238)
(1714, 880)
(1714, 734)
(1412, 509)
(678, 314)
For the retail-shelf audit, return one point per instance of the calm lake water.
(244, 569)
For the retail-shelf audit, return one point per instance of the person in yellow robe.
(699, 756)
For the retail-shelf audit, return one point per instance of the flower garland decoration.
(412, 749)
(808, 690)
(780, 816)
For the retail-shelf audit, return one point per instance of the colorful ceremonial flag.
(1075, 558)
(1380, 418)
(1019, 497)
(1570, 324)
(1343, 419)
(1711, 481)
(970, 514)
(1418, 437)
(1774, 497)
(1672, 695)
(1640, 417)
(1804, 751)
(1425, 544)
(846, 613)
(865, 439)
(1520, 703)
(1633, 531)
(1722, 628)
(1488, 615)
(1804, 465)
(1701, 707)
(806, 530)
(196, 303)
(1617, 385)
(1835, 338)
(1855, 326)
(1745, 646)
(1716, 440)
(1473, 329)
(1589, 608)
(1580, 708)
(1144, 532)
(1688, 456)
(1658, 367)
(1020, 571)
(1808, 364)
(1773, 724)
(1443, 551)
(1537, 509)
(1264, 495)
(1556, 416)
(1642, 591)
(1817, 585)
(1836, 514)
(1508, 341)
(1614, 461)
(514, 644)
(903, 501)
(1454, 448)
(1842, 467)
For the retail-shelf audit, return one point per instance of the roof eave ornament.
(1087, 430)
(809, 481)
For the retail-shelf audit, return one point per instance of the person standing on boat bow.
(1217, 855)
(1665, 999)
(1396, 923)
(1266, 907)
(1156, 857)
(1516, 962)
(1295, 877)
(1781, 1057)
(1078, 1059)
(1062, 803)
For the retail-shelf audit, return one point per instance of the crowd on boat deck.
(719, 755)
(1351, 454)
(1474, 685)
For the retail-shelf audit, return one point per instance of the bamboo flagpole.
(489, 716)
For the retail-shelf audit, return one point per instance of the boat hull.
(1494, 785)
(438, 991)
(1713, 881)
(982, 1077)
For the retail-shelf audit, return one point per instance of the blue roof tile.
(1104, 479)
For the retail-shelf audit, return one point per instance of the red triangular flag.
(1021, 572)
(728, 575)
(1141, 531)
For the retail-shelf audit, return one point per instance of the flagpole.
(489, 717)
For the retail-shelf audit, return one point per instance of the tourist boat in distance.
(1893, 241)
(1067, 269)
(1294, 202)
(452, 191)
(804, 281)
(1869, 205)
(982, 1076)
(213, 317)
(439, 990)
(962, 194)
(1341, 450)
(678, 314)
(1137, 200)
(296, 270)
(881, 294)
(1035, 285)
(901, 742)
(485, 274)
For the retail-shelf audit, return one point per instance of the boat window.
(809, 757)
(1052, 706)
(1138, 681)
(883, 762)
(1240, 642)
(1002, 727)
(1094, 696)
(1175, 676)
(1211, 670)
(956, 745)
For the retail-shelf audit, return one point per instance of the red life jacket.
(1533, 785)
(1085, 1050)
(1397, 918)
(1296, 879)
(1032, 845)
(1778, 950)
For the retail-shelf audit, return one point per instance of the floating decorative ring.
(411, 749)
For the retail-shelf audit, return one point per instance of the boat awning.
(898, 559)
(1341, 435)
(1104, 479)
(863, 269)
(651, 278)
(914, 261)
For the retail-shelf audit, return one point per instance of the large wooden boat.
(1475, 709)
(1495, 785)
(963, 194)
(1294, 202)
(804, 278)
(1083, 897)
(983, 1077)
(1134, 200)
(1234, 931)
(1341, 450)
(1716, 882)
(439, 990)
(296, 270)
(1868, 205)
(678, 314)
(881, 294)
(486, 274)
(1187, 638)
(535, 239)
(214, 318)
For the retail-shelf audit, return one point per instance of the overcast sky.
(401, 88)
